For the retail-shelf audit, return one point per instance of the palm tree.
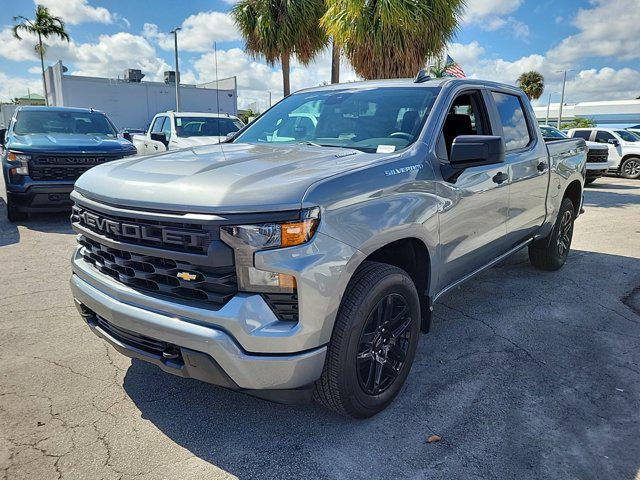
(335, 62)
(44, 26)
(281, 29)
(532, 84)
(391, 38)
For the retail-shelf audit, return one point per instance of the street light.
(546, 121)
(175, 44)
(564, 81)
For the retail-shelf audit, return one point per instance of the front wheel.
(630, 168)
(373, 343)
(551, 253)
(13, 214)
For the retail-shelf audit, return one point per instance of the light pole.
(564, 82)
(546, 121)
(175, 44)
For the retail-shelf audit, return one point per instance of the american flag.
(452, 69)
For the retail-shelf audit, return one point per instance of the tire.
(589, 181)
(13, 214)
(362, 345)
(550, 253)
(630, 168)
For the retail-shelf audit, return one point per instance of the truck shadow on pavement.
(524, 374)
(42, 222)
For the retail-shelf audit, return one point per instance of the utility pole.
(175, 44)
(564, 82)
(546, 122)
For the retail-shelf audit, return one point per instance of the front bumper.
(242, 345)
(42, 198)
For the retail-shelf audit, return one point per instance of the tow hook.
(171, 352)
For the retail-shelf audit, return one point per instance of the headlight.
(248, 239)
(22, 162)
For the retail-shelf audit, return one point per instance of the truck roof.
(410, 82)
(40, 108)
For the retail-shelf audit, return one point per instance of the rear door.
(527, 165)
(473, 224)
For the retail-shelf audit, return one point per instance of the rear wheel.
(551, 253)
(373, 343)
(630, 168)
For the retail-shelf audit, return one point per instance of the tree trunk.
(286, 81)
(335, 63)
(44, 83)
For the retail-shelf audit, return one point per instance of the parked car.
(171, 131)
(287, 269)
(47, 148)
(635, 131)
(597, 156)
(624, 148)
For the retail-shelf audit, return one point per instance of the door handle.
(542, 166)
(500, 177)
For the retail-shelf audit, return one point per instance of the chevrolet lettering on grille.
(149, 233)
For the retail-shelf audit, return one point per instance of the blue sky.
(498, 39)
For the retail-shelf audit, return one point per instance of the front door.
(615, 150)
(473, 217)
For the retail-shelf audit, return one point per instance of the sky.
(596, 40)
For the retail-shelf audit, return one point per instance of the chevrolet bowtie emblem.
(186, 276)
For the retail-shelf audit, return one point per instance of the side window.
(582, 134)
(466, 116)
(603, 137)
(166, 127)
(157, 125)
(513, 119)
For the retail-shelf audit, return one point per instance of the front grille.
(597, 156)
(65, 167)
(284, 305)
(211, 286)
(174, 236)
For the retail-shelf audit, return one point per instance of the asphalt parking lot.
(525, 374)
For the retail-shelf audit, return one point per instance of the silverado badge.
(186, 276)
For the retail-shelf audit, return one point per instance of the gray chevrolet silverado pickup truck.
(301, 258)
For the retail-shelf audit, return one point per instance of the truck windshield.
(627, 136)
(61, 122)
(206, 126)
(551, 132)
(372, 119)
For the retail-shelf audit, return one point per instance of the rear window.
(585, 134)
(514, 123)
(63, 122)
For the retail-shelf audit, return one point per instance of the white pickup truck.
(172, 131)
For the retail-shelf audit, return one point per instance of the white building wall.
(614, 112)
(133, 105)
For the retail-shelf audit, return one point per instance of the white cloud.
(495, 14)
(609, 29)
(198, 32)
(77, 11)
(11, 86)
(604, 84)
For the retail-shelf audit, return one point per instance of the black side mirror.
(160, 137)
(613, 142)
(475, 150)
(3, 136)
(126, 136)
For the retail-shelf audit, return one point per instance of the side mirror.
(160, 137)
(126, 136)
(3, 136)
(613, 142)
(475, 150)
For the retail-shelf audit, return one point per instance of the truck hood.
(184, 142)
(223, 178)
(67, 143)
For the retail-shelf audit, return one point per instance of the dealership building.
(132, 103)
(614, 113)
